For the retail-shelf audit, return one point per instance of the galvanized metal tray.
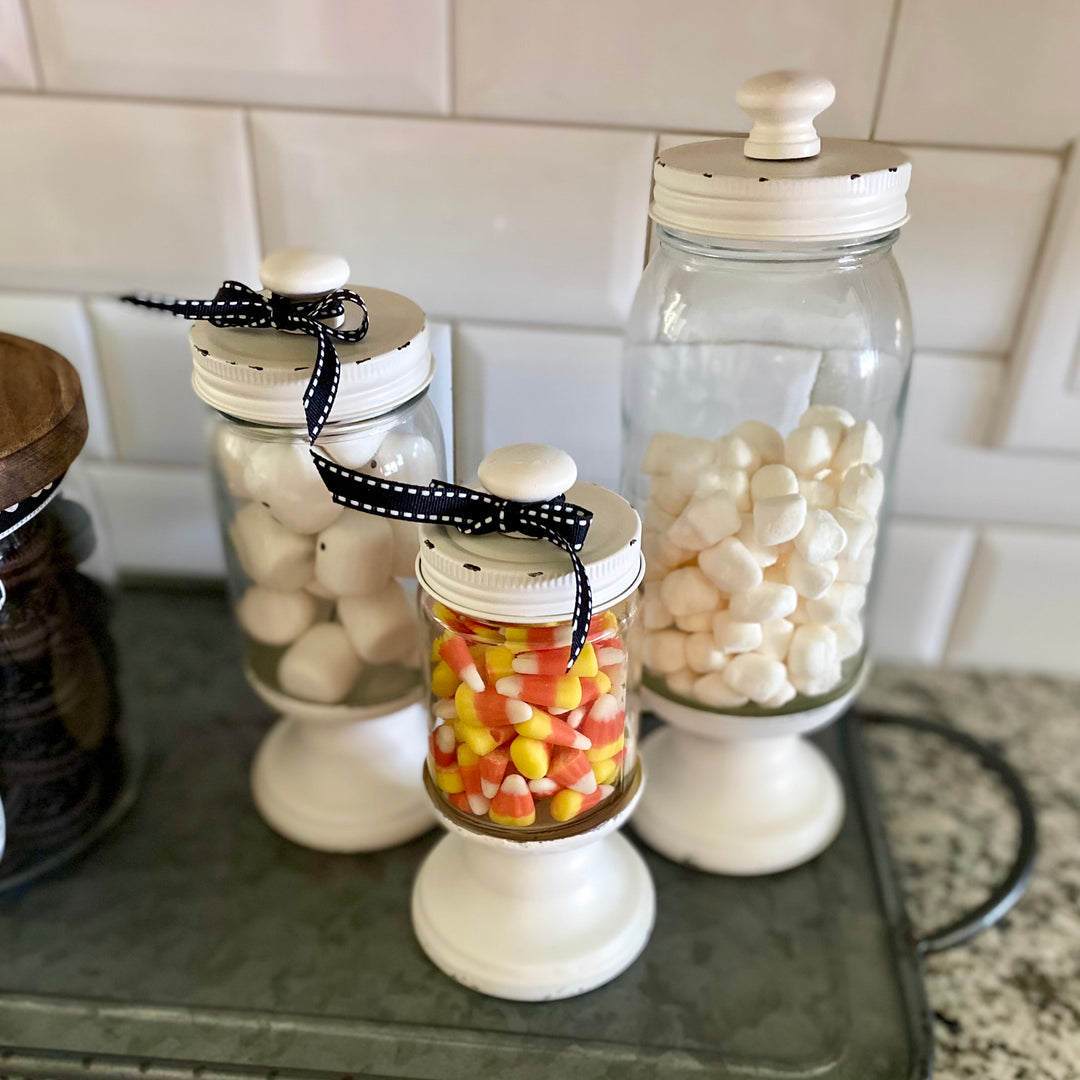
(194, 942)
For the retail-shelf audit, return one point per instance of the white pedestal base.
(346, 785)
(534, 921)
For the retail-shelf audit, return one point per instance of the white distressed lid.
(518, 579)
(782, 182)
(261, 375)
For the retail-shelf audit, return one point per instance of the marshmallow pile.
(759, 548)
(323, 578)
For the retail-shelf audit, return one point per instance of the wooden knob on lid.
(527, 472)
(301, 272)
(783, 105)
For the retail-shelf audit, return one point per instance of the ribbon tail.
(323, 385)
(582, 594)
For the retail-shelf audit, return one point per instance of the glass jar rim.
(792, 250)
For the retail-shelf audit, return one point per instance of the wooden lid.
(42, 417)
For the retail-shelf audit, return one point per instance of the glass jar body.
(763, 394)
(324, 595)
(519, 747)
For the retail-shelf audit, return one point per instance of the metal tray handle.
(1005, 895)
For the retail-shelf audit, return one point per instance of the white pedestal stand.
(341, 777)
(534, 920)
(739, 795)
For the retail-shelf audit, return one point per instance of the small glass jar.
(324, 594)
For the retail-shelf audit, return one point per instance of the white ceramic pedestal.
(739, 795)
(343, 778)
(534, 920)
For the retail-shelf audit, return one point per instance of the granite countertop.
(1007, 1004)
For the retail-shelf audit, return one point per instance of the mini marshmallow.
(233, 450)
(763, 603)
(858, 528)
(772, 480)
(406, 458)
(713, 691)
(781, 697)
(660, 551)
(862, 489)
(776, 639)
(733, 636)
(808, 450)
(693, 479)
(813, 662)
(756, 677)
(838, 601)
(657, 616)
(699, 623)
(763, 556)
(283, 478)
(355, 555)
(667, 448)
(734, 452)
(862, 444)
(269, 553)
(671, 499)
(687, 591)
(382, 628)
(800, 616)
(665, 651)
(320, 665)
(406, 536)
(821, 538)
(682, 682)
(818, 493)
(703, 654)
(777, 573)
(779, 519)
(275, 618)
(736, 484)
(655, 517)
(766, 441)
(810, 579)
(858, 571)
(706, 521)
(849, 636)
(826, 414)
(730, 566)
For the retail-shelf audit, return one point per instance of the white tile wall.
(16, 59)
(383, 55)
(114, 195)
(1020, 607)
(989, 72)
(476, 220)
(518, 385)
(61, 323)
(668, 65)
(967, 254)
(146, 363)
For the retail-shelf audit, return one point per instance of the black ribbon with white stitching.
(237, 305)
(473, 512)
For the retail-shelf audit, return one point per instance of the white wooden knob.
(301, 272)
(527, 472)
(783, 105)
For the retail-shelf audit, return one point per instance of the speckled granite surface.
(1006, 1005)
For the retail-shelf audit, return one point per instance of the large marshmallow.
(826, 414)
(818, 493)
(858, 528)
(269, 553)
(779, 519)
(821, 538)
(233, 450)
(808, 450)
(687, 591)
(766, 441)
(670, 498)
(733, 636)
(781, 697)
(275, 618)
(665, 651)
(655, 517)
(666, 449)
(772, 480)
(713, 691)
(698, 623)
(857, 571)
(813, 661)
(406, 458)
(849, 636)
(763, 556)
(320, 665)
(838, 602)
(706, 521)
(776, 639)
(282, 476)
(862, 489)
(355, 555)
(355, 450)
(381, 628)
(661, 552)
(754, 676)
(763, 603)
(682, 682)
(862, 444)
(734, 452)
(703, 654)
(810, 579)
(730, 566)
(656, 614)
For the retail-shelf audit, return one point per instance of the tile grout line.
(451, 60)
(886, 65)
(32, 45)
(253, 182)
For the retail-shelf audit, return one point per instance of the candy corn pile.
(518, 735)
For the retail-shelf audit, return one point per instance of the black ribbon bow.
(237, 305)
(473, 512)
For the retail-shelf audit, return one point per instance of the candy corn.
(489, 707)
(513, 803)
(498, 662)
(455, 651)
(530, 756)
(570, 768)
(605, 770)
(482, 740)
(605, 721)
(568, 804)
(493, 767)
(603, 752)
(445, 709)
(562, 691)
(448, 778)
(460, 801)
(469, 764)
(554, 662)
(544, 787)
(444, 680)
(551, 729)
(443, 745)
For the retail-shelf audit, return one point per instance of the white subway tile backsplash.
(676, 64)
(160, 520)
(992, 74)
(474, 220)
(16, 59)
(379, 55)
(441, 390)
(1021, 608)
(61, 323)
(114, 196)
(917, 588)
(947, 467)
(967, 254)
(146, 362)
(527, 385)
